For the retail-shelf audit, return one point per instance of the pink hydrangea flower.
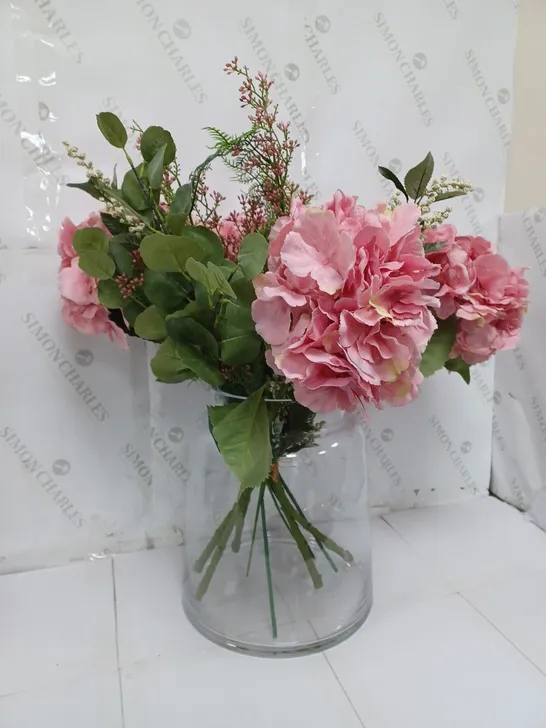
(80, 305)
(479, 287)
(345, 304)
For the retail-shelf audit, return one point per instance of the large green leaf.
(156, 167)
(153, 139)
(166, 365)
(437, 352)
(112, 129)
(150, 324)
(242, 436)
(240, 349)
(132, 310)
(459, 366)
(110, 295)
(173, 358)
(418, 177)
(164, 253)
(244, 290)
(252, 254)
(199, 237)
(389, 174)
(211, 276)
(122, 257)
(186, 330)
(182, 200)
(162, 290)
(202, 314)
(90, 238)
(113, 224)
(133, 193)
(235, 318)
(97, 264)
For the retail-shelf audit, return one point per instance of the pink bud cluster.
(128, 285)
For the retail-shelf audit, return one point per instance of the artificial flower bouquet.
(294, 306)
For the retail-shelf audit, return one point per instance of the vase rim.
(241, 398)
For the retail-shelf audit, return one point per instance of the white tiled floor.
(456, 639)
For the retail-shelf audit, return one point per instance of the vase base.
(235, 613)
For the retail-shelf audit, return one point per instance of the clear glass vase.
(283, 568)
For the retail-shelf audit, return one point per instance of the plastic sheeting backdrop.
(92, 449)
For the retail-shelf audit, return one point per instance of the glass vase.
(283, 568)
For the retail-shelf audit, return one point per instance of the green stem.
(300, 511)
(146, 192)
(255, 528)
(268, 572)
(212, 544)
(243, 503)
(217, 555)
(297, 535)
(319, 536)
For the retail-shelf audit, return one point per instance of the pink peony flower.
(80, 302)
(344, 304)
(480, 288)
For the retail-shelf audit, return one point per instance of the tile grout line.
(337, 679)
(475, 608)
(120, 684)
(343, 690)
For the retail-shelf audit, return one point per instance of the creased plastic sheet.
(92, 450)
(519, 425)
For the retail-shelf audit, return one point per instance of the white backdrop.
(91, 450)
(519, 425)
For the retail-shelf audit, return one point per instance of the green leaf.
(153, 139)
(242, 436)
(131, 310)
(90, 238)
(110, 295)
(164, 253)
(202, 314)
(207, 241)
(112, 224)
(252, 254)
(122, 257)
(185, 330)
(211, 276)
(240, 349)
(181, 203)
(418, 177)
(173, 358)
(166, 365)
(133, 193)
(162, 291)
(235, 319)
(433, 247)
(176, 223)
(389, 174)
(88, 187)
(449, 195)
(150, 324)
(156, 167)
(244, 290)
(459, 366)
(97, 264)
(437, 352)
(112, 129)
